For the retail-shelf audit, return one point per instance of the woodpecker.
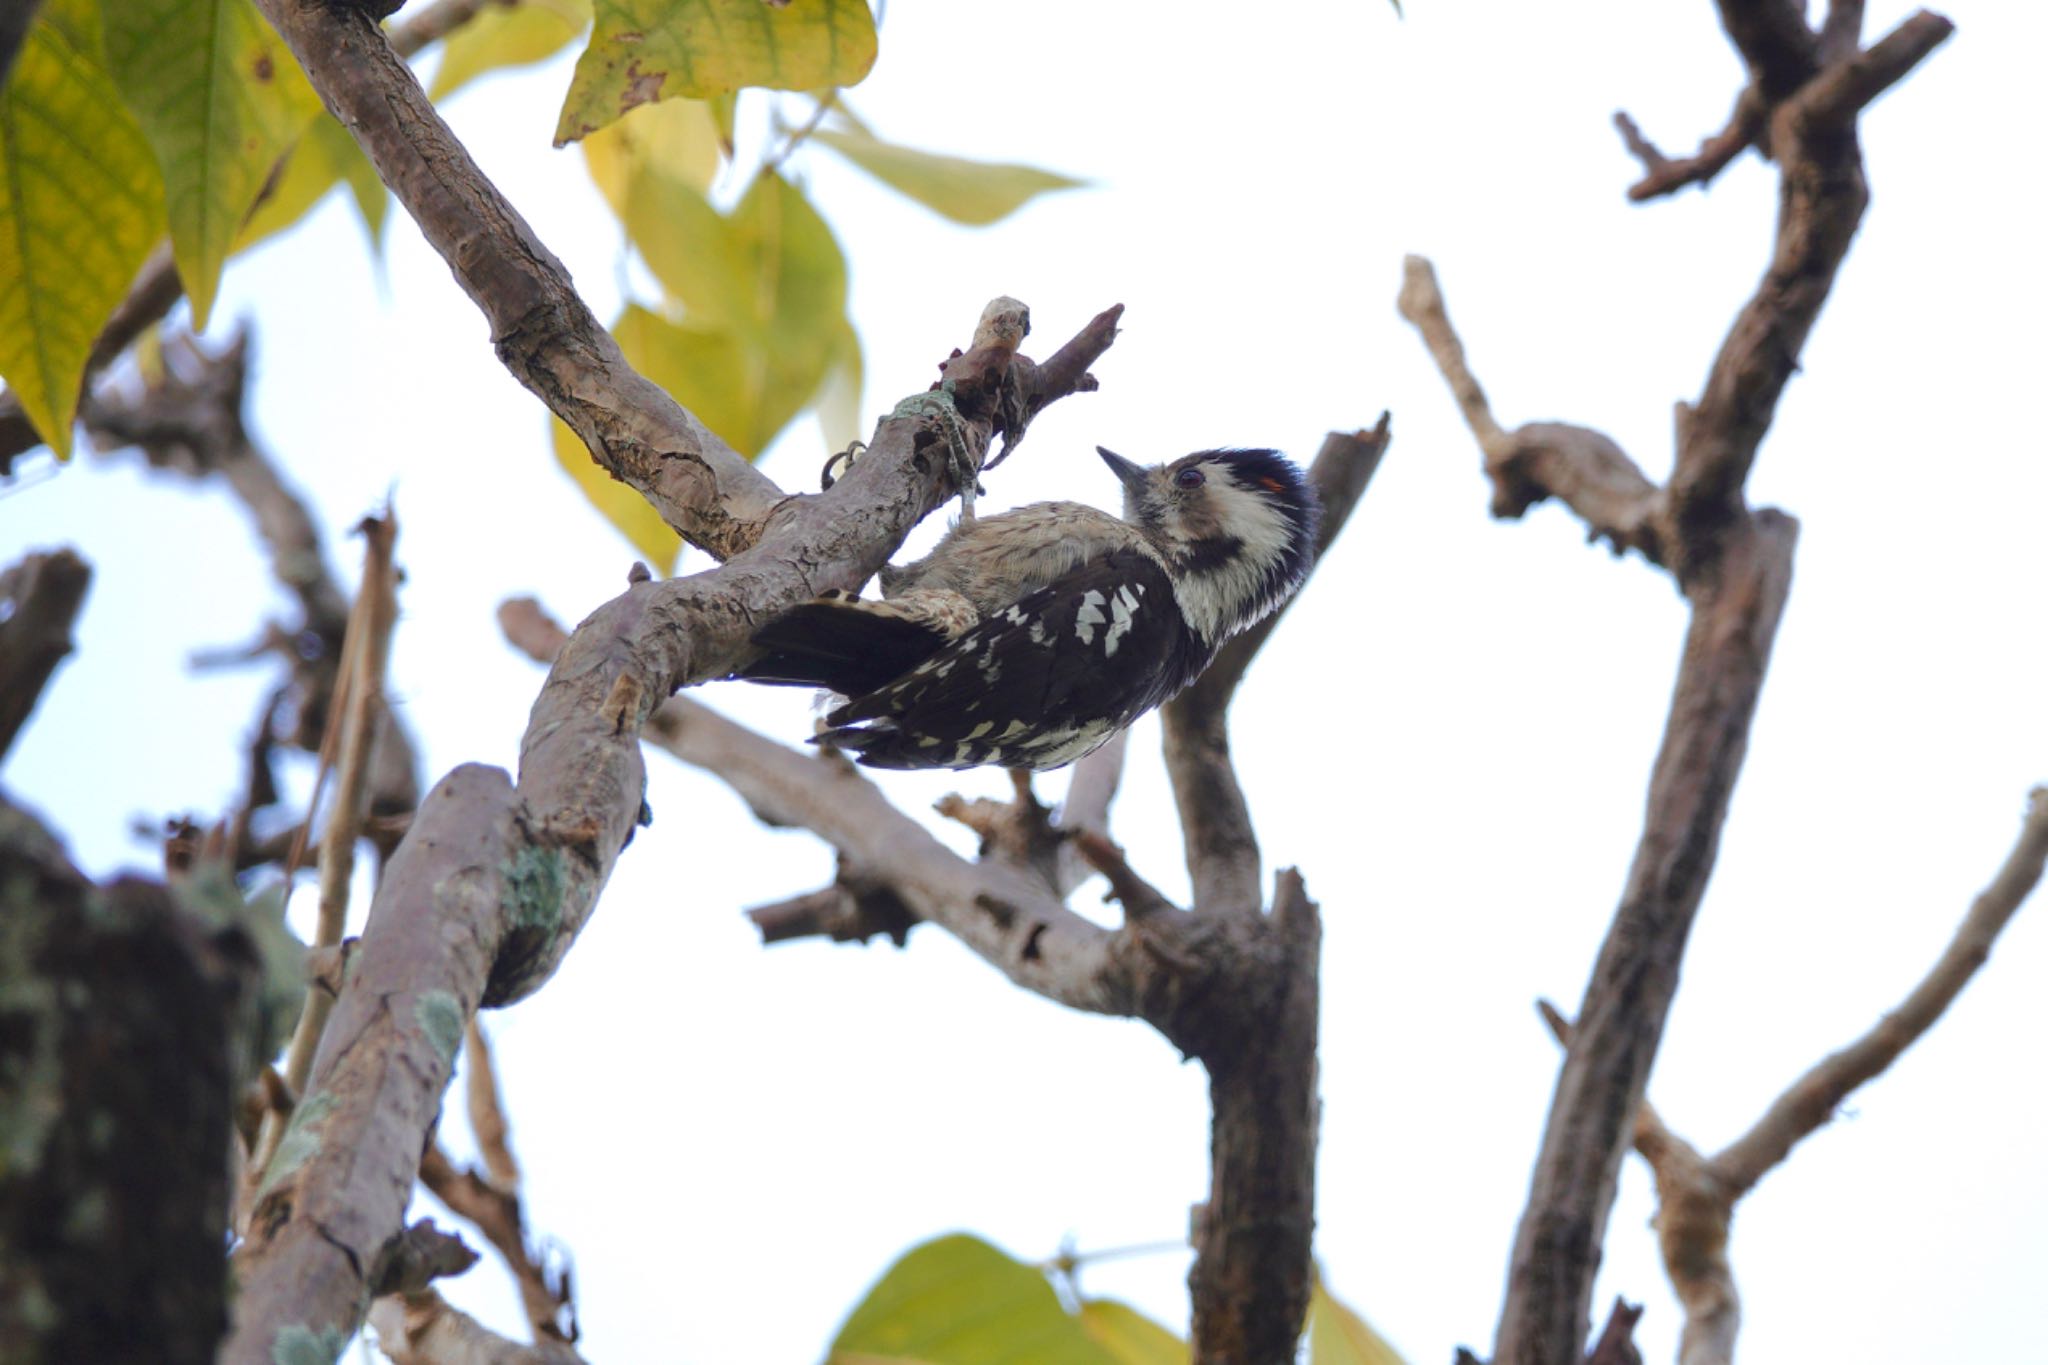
(1028, 638)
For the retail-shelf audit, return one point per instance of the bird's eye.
(1190, 477)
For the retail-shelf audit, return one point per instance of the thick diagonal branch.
(1216, 826)
(545, 334)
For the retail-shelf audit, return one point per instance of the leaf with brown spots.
(644, 50)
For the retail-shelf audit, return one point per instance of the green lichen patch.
(535, 881)
(440, 1017)
(299, 1344)
(301, 1140)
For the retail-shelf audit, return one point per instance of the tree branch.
(1822, 195)
(1222, 849)
(188, 420)
(425, 1329)
(545, 334)
(1696, 1194)
(40, 598)
(513, 875)
(1662, 175)
(1734, 567)
(1814, 1098)
(1580, 467)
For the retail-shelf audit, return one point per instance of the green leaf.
(1338, 1336)
(80, 207)
(973, 192)
(220, 99)
(324, 156)
(960, 1301)
(645, 50)
(1129, 1336)
(507, 35)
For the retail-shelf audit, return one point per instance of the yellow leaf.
(675, 139)
(973, 192)
(1129, 1336)
(80, 207)
(1338, 1336)
(507, 35)
(959, 1301)
(633, 516)
(645, 50)
(324, 156)
(220, 98)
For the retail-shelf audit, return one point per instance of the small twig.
(1090, 793)
(424, 1329)
(1617, 1340)
(1813, 1099)
(801, 134)
(352, 728)
(1138, 897)
(432, 22)
(1579, 466)
(486, 1110)
(1663, 175)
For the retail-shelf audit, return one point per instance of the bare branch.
(486, 1110)
(1616, 1345)
(1090, 793)
(1727, 649)
(1841, 33)
(1821, 200)
(496, 1211)
(1222, 849)
(40, 597)
(1695, 1206)
(1814, 1098)
(1580, 467)
(424, 1329)
(361, 698)
(853, 909)
(1138, 897)
(1662, 175)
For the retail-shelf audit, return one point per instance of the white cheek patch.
(1220, 601)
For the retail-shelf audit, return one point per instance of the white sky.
(1450, 736)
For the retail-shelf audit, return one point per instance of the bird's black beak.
(1132, 476)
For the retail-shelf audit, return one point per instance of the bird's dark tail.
(843, 644)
